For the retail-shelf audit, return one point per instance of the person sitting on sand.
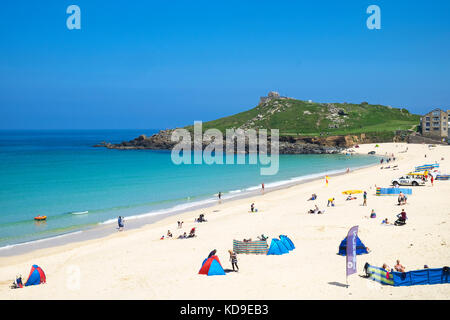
(182, 236)
(169, 234)
(350, 198)
(373, 214)
(252, 207)
(315, 210)
(17, 283)
(201, 218)
(212, 253)
(330, 201)
(386, 267)
(385, 221)
(262, 237)
(401, 218)
(313, 197)
(398, 267)
(192, 233)
(401, 199)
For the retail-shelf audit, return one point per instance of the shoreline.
(136, 264)
(104, 229)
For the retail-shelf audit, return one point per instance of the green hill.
(296, 117)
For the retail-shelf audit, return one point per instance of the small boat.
(80, 212)
(40, 218)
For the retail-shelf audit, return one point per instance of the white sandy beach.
(135, 264)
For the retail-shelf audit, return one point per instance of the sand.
(135, 264)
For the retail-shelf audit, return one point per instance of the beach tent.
(360, 247)
(443, 177)
(212, 267)
(37, 276)
(287, 242)
(277, 247)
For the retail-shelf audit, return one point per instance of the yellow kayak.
(351, 191)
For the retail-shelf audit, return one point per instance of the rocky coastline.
(287, 144)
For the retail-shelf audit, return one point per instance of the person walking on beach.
(219, 195)
(262, 188)
(120, 222)
(233, 259)
(365, 198)
(432, 179)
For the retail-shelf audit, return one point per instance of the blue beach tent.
(37, 276)
(212, 267)
(287, 242)
(360, 247)
(277, 247)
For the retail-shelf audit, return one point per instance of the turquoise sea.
(54, 173)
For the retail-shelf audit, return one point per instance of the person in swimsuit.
(398, 267)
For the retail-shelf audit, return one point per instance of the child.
(233, 259)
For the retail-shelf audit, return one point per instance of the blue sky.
(160, 64)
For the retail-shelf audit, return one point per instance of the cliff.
(304, 126)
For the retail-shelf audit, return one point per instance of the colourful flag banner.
(351, 250)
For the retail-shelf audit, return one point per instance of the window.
(435, 113)
(427, 124)
(428, 119)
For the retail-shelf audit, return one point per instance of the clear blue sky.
(158, 64)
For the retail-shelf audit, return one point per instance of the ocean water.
(54, 173)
